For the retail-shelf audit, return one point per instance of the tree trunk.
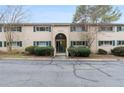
(9, 47)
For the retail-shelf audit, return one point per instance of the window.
(83, 28)
(0, 43)
(42, 43)
(73, 28)
(14, 44)
(120, 42)
(42, 28)
(120, 28)
(77, 29)
(107, 43)
(106, 28)
(15, 29)
(0, 29)
(78, 43)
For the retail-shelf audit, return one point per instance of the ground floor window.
(120, 42)
(14, 43)
(42, 43)
(106, 43)
(78, 43)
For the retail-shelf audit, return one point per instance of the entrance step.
(60, 56)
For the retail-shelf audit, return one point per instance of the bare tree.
(90, 36)
(10, 17)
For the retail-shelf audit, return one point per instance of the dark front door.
(60, 46)
(60, 43)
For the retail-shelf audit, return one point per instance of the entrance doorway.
(60, 43)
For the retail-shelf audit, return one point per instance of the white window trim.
(121, 42)
(106, 45)
(41, 43)
(15, 29)
(85, 43)
(49, 29)
(76, 30)
(107, 30)
(15, 45)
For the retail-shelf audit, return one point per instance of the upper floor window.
(120, 28)
(77, 28)
(42, 43)
(15, 29)
(106, 28)
(14, 44)
(73, 28)
(83, 28)
(78, 43)
(120, 42)
(107, 43)
(42, 28)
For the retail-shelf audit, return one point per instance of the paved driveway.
(61, 73)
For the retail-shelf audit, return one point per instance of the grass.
(22, 55)
(98, 56)
(19, 55)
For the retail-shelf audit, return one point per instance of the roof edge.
(64, 24)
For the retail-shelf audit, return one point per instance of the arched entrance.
(60, 40)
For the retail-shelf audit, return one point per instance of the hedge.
(118, 51)
(44, 51)
(30, 49)
(79, 52)
(40, 51)
(102, 51)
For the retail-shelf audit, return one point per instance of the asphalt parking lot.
(22, 73)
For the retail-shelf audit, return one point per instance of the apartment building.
(63, 35)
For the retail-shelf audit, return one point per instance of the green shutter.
(49, 43)
(34, 43)
(20, 43)
(99, 43)
(0, 29)
(0, 43)
(20, 29)
(4, 43)
(34, 29)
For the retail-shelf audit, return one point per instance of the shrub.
(102, 51)
(72, 52)
(44, 51)
(30, 49)
(84, 52)
(118, 51)
(79, 51)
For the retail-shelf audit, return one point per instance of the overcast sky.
(56, 13)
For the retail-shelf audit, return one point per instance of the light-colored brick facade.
(103, 39)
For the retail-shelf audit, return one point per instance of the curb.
(54, 59)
